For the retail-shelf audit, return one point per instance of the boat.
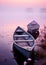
(23, 42)
(33, 29)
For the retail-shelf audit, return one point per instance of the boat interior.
(23, 39)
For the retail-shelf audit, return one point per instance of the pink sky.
(10, 22)
(24, 2)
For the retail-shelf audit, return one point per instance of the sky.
(15, 13)
(32, 3)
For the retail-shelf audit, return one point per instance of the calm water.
(6, 54)
(10, 18)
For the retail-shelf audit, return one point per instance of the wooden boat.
(33, 29)
(23, 42)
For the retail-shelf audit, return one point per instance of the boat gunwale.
(24, 48)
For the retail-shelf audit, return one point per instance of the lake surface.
(10, 18)
(6, 48)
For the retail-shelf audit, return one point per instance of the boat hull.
(27, 54)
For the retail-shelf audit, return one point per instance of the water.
(6, 48)
(10, 18)
(7, 56)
